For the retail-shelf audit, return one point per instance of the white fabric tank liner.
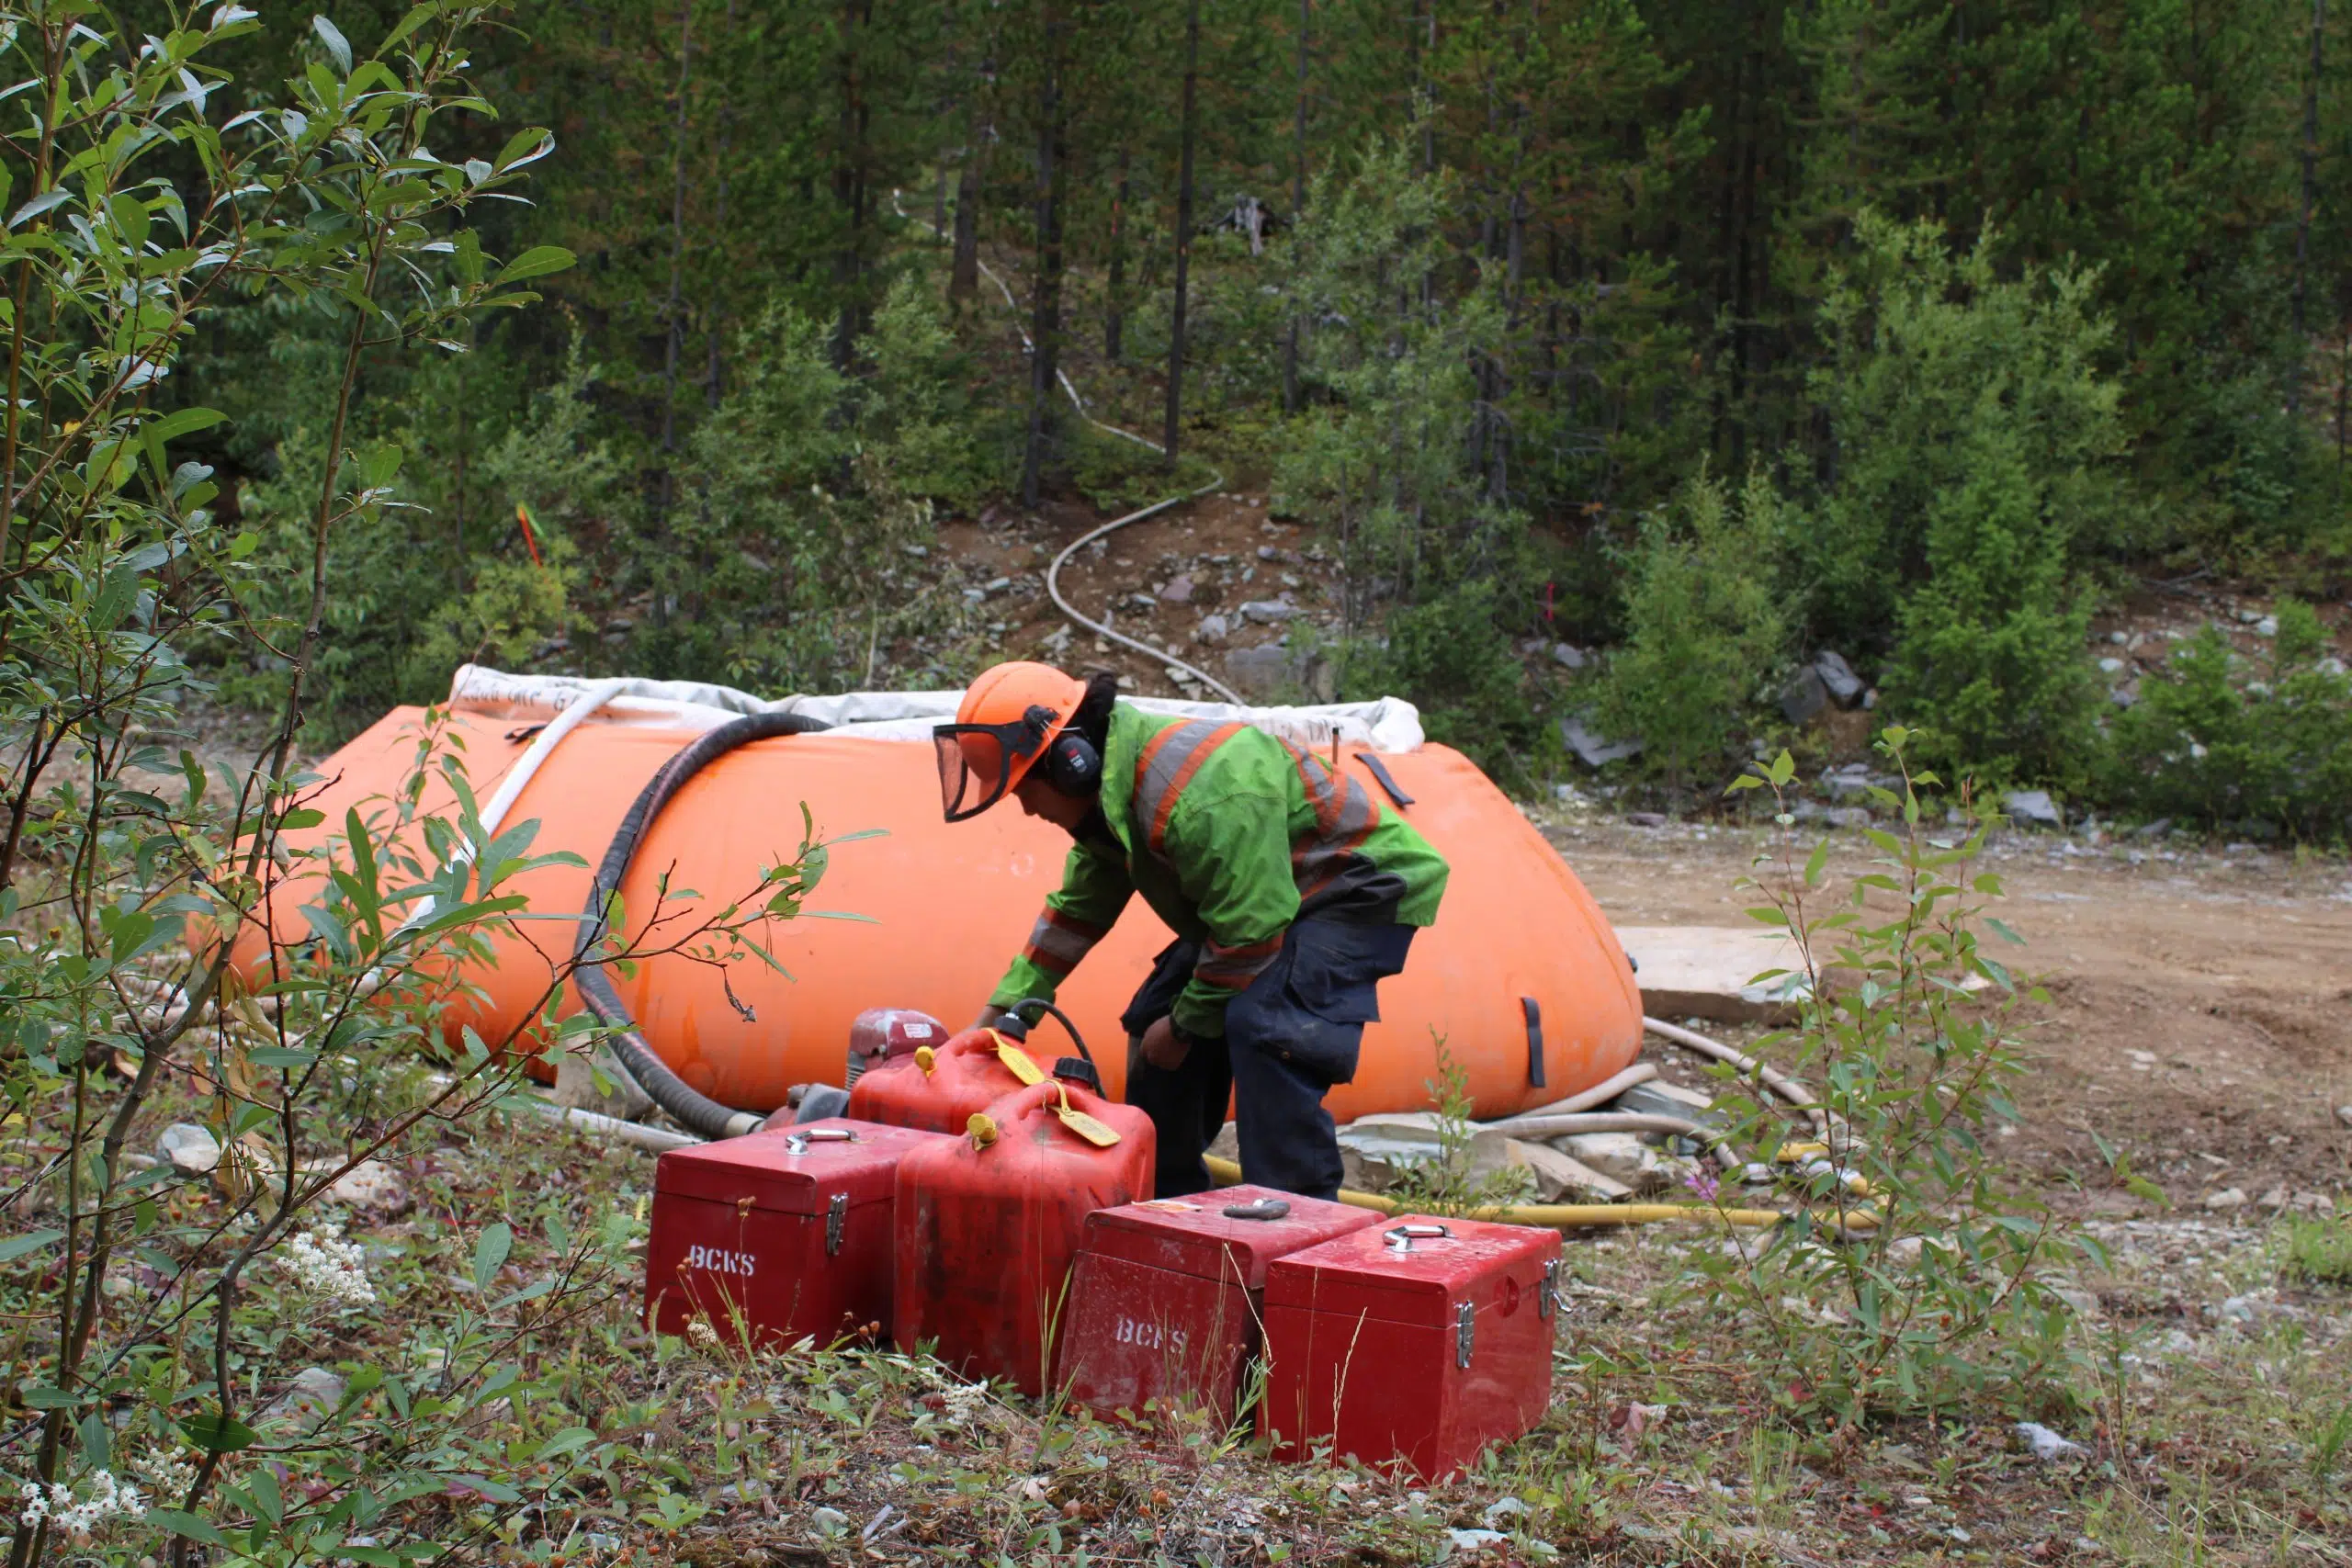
(1390, 724)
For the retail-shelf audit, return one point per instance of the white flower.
(325, 1265)
(57, 1505)
(169, 1472)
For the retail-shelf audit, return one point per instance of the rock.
(1178, 591)
(828, 1522)
(2331, 665)
(2047, 1445)
(1374, 1151)
(2274, 1201)
(2118, 639)
(2343, 1115)
(2033, 808)
(1211, 629)
(1870, 700)
(2110, 666)
(1502, 1508)
(1711, 972)
(1567, 657)
(2267, 626)
(1849, 816)
(371, 1185)
(1645, 818)
(588, 1080)
(1805, 696)
(1271, 673)
(1267, 612)
(1561, 1178)
(1474, 1540)
(2155, 829)
(309, 1400)
(192, 1149)
(1656, 1099)
(1268, 552)
(1592, 749)
(2227, 1197)
(1624, 1157)
(1837, 677)
(1227, 1145)
(2238, 1309)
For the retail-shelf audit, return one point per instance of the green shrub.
(1703, 624)
(1938, 367)
(1992, 643)
(2210, 743)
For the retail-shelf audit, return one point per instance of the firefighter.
(1292, 891)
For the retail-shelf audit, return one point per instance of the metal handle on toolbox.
(798, 1143)
(1400, 1239)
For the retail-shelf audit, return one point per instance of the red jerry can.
(1416, 1342)
(780, 1235)
(940, 1090)
(988, 1224)
(1166, 1297)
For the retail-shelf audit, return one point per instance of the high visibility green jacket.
(1230, 834)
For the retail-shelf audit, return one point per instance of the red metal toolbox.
(788, 1231)
(1165, 1297)
(1415, 1342)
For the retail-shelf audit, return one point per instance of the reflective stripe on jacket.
(1230, 834)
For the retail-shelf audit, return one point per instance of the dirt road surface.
(2199, 1017)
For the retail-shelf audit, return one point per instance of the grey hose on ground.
(1787, 1088)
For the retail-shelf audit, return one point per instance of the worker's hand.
(1162, 1049)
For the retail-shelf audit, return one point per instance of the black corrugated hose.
(692, 1108)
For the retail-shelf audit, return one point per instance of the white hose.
(1601, 1093)
(510, 789)
(1787, 1088)
(636, 1134)
(1054, 572)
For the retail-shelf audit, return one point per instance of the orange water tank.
(1522, 977)
(988, 1224)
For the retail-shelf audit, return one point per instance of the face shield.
(978, 763)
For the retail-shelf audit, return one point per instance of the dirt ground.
(2199, 1017)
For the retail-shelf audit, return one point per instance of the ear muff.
(1072, 764)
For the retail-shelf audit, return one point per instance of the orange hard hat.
(1005, 722)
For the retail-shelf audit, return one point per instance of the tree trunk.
(715, 376)
(672, 340)
(849, 185)
(1184, 233)
(1114, 303)
(1046, 320)
(1297, 201)
(2311, 194)
(964, 266)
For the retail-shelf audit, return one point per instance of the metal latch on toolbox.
(1547, 1295)
(1465, 1332)
(836, 1222)
(1400, 1239)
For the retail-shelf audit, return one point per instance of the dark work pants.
(1288, 1038)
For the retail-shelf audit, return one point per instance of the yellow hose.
(1552, 1216)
